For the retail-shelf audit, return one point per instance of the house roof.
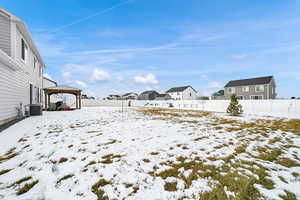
(62, 87)
(129, 93)
(50, 80)
(162, 95)
(149, 92)
(250, 81)
(219, 93)
(180, 89)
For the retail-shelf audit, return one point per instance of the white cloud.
(215, 84)
(124, 50)
(238, 57)
(148, 79)
(80, 83)
(100, 75)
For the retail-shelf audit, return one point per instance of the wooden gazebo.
(60, 90)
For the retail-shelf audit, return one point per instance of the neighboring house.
(84, 96)
(21, 67)
(163, 97)
(183, 93)
(148, 95)
(218, 95)
(113, 97)
(253, 88)
(47, 83)
(130, 96)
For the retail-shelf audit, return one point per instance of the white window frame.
(245, 89)
(252, 97)
(25, 59)
(260, 86)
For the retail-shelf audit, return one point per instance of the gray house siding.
(268, 93)
(5, 39)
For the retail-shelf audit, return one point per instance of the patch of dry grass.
(111, 142)
(146, 160)
(62, 160)
(240, 149)
(27, 187)
(91, 163)
(8, 155)
(175, 112)
(227, 176)
(171, 187)
(154, 153)
(4, 171)
(108, 159)
(64, 178)
(288, 196)
(96, 189)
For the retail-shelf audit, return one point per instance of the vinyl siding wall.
(189, 94)
(12, 91)
(15, 84)
(266, 94)
(5, 39)
(184, 95)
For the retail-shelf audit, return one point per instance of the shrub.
(234, 107)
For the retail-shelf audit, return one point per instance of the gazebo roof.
(62, 89)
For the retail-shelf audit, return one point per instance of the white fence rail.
(282, 108)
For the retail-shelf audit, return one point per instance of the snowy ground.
(103, 153)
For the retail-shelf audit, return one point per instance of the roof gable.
(250, 81)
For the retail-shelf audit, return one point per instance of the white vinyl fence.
(281, 108)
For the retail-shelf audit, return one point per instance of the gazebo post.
(46, 100)
(76, 101)
(79, 101)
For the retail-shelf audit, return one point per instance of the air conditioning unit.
(35, 109)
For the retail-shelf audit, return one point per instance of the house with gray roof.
(130, 96)
(183, 93)
(252, 88)
(148, 95)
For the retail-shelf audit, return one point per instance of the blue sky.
(116, 46)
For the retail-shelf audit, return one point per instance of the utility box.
(35, 109)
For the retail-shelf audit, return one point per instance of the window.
(240, 97)
(34, 63)
(40, 70)
(178, 93)
(246, 89)
(257, 97)
(190, 94)
(231, 90)
(24, 51)
(259, 88)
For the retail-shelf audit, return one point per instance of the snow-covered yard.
(103, 153)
